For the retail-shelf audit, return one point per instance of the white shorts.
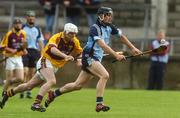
(47, 65)
(13, 63)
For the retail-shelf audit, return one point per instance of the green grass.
(81, 104)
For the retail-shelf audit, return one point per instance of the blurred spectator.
(49, 10)
(47, 36)
(91, 7)
(158, 62)
(72, 11)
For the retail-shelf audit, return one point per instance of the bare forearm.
(106, 48)
(55, 51)
(125, 40)
(41, 46)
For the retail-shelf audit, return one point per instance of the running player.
(98, 40)
(61, 48)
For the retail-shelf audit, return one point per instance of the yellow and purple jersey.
(71, 47)
(14, 40)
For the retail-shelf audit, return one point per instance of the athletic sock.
(57, 92)
(38, 99)
(28, 94)
(99, 100)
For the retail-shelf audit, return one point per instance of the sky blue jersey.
(100, 32)
(34, 35)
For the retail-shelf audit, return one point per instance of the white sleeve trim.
(97, 38)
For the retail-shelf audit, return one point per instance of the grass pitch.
(81, 104)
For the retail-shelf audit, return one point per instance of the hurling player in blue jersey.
(97, 44)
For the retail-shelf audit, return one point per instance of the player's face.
(18, 26)
(161, 35)
(30, 19)
(108, 18)
(70, 35)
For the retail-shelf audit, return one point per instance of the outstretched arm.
(55, 51)
(125, 40)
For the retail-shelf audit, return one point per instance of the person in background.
(158, 62)
(72, 11)
(14, 42)
(35, 46)
(90, 7)
(49, 7)
(47, 36)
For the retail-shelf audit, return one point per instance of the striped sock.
(99, 100)
(57, 92)
(38, 99)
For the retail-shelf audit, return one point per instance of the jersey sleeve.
(116, 31)
(24, 36)
(40, 36)
(95, 32)
(4, 41)
(53, 41)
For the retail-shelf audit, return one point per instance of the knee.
(52, 82)
(105, 76)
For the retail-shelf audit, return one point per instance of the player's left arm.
(125, 40)
(118, 33)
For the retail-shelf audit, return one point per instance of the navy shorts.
(87, 61)
(31, 58)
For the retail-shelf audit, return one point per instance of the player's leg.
(152, 76)
(34, 57)
(30, 74)
(48, 74)
(160, 76)
(98, 69)
(18, 71)
(25, 60)
(9, 71)
(35, 81)
(9, 76)
(82, 79)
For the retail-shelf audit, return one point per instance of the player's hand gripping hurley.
(157, 50)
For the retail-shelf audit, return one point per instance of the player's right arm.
(55, 51)
(52, 45)
(109, 50)
(4, 43)
(95, 33)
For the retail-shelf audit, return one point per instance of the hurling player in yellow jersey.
(13, 42)
(61, 48)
